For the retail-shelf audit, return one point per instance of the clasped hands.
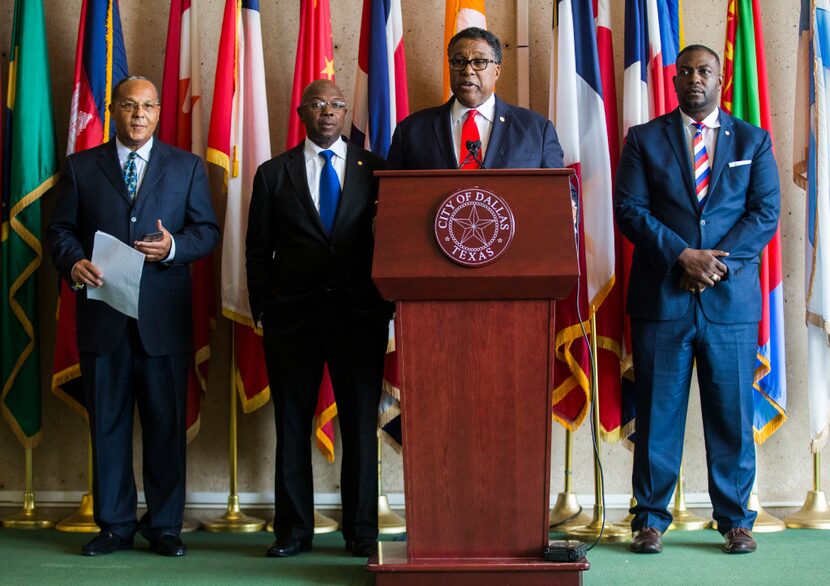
(701, 269)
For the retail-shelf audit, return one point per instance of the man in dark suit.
(505, 136)
(697, 194)
(155, 198)
(309, 259)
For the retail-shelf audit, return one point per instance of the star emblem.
(473, 227)
(328, 71)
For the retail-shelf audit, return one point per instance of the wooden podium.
(474, 353)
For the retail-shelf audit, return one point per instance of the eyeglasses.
(128, 106)
(318, 105)
(477, 64)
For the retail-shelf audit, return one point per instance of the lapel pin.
(501, 118)
(360, 163)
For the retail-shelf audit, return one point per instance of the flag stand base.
(567, 513)
(815, 514)
(234, 520)
(28, 517)
(82, 520)
(389, 522)
(322, 524)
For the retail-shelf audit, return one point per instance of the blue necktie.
(329, 192)
(131, 174)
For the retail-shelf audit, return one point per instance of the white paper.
(121, 266)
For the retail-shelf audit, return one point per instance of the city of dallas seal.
(474, 226)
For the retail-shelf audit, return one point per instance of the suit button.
(133, 220)
(703, 222)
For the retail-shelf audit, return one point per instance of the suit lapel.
(108, 161)
(724, 151)
(354, 178)
(501, 121)
(676, 135)
(155, 170)
(443, 135)
(299, 179)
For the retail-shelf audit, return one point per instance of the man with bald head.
(155, 198)
(309, 261)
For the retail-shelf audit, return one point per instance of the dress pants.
(354, 350)
(724, 354)
(114, 384)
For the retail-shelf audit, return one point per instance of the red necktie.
(469, 132)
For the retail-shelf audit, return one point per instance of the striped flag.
(315, 60)
(578, 110)
(181, 125)
(813, 174)
(239, 141)
(745, 95)
(100, 63)
(380, 102)
(653, 37)
(29, 168)
(458, 15)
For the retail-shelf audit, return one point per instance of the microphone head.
(473, 145)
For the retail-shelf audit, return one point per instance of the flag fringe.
(817, 443)
(324, 442)
(193, 430)
(239, 318)
(61, 378)
(254, 402)
(763, 434)
(27, 441)
(202, 355)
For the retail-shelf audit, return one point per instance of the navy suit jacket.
(656, 208)
(519, 139)
(293, 266)
(93, 196)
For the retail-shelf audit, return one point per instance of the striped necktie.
(131, 174)
(701, 164)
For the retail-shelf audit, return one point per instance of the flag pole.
(28, 517)
(598, 527)
(567, 512)
(234, 520)
(815, 514)
(682, 519)
(389, 522)
(83, 519)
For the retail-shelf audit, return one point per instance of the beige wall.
(60, 461)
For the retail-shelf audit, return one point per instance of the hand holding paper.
(123, 265)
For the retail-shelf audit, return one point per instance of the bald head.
(323, 112)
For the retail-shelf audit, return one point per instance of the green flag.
(29, 168)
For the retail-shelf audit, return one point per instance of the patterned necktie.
(329, 192)
(131, 174)
(701, 164)
(469, 132)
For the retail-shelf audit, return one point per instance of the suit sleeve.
(632, 210)
(752, 233)
(258, 246)
(552, 154)
(200, 233)
(62, 234)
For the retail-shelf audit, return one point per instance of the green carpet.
(49, 557)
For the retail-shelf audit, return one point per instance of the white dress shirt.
(314, 164)
(710, 135)
(484, 121)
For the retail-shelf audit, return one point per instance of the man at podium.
(475, 129)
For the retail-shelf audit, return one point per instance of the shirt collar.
(711, 121)
(487, 109)
(311, 150)
(143, 152)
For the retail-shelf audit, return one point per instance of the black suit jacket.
(93, 196)
(519, 139)
(292, 265)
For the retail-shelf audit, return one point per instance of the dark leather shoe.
(286, 548)
(169, 544)
(647, 540)
(106, 542)
(361, 548)
(739, 540)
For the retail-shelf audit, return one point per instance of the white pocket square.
(740, 163)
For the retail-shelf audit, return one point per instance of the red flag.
(315, 60)
(239, 141)
(100, 63)
(181, 125)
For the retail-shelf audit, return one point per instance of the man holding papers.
(156, 199)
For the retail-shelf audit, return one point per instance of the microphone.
(473, 149)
